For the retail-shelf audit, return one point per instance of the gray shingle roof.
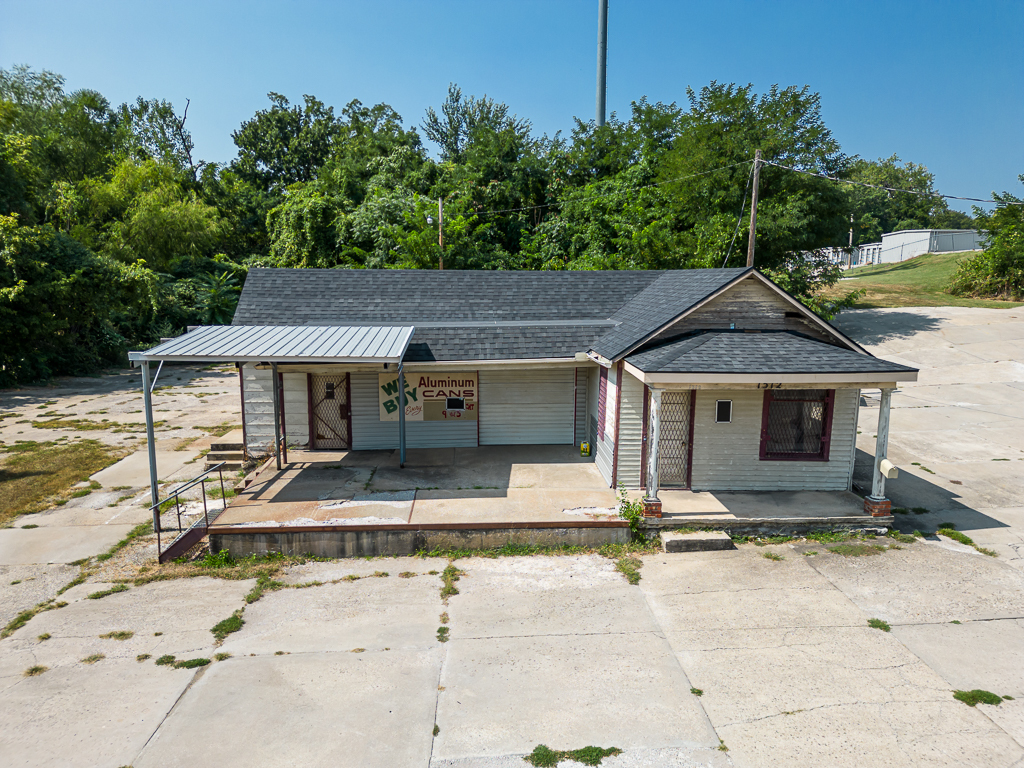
(414, 297)
(766, 352)
(503, 343)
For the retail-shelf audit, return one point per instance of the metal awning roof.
(285, 344)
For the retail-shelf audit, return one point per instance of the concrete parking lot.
(758, 656)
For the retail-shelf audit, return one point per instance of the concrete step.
(220, 445)
(228, 466)
(698, 541)
(216, 456)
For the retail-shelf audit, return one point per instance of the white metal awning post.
(401, 417)
(653, 439)
(277, 415)
(881, 446)
(147, 400)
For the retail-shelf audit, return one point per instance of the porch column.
(652, 504)
(147, 400)
(277, 415)
(876, 504)
(401, 417)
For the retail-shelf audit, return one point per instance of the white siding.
(258, 408)
(296, 408)
(531, 407)
(631, 417)
(370, 433)
(582, 427)
(604, 445)
(725, 456)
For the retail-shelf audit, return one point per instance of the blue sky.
(939, 83)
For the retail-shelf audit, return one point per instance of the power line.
(884, 188)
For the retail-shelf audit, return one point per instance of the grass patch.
(903, 538)
(31, 473)
(380, 574)
(165, 661)
(810, 553)
(221, 565)
(444, 618)
(221, 656)
(25, 617)
(545, 757)
(263, 584)
(121, 634)
(696, 691)
(79, 579)
(406, 575)
(977, 696)
(947, 530)
(44, 637)
(221, 429)
(34, 671)
(917, 282)
(449, 576)
(879, 624)
(135, 533)
(857, 550)
(629, 567)
(107, 592)
(93, 658)
(232, 623)
(190, 663)
(143, 657)
(442, 634)
(830, 537)
(772, 556)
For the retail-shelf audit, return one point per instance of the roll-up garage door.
(535, 406)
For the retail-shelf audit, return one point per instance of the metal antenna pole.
(440, 230)
(602, 59)
(753, 208)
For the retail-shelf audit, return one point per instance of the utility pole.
(440, 231)
(753, 209)
(602, 59)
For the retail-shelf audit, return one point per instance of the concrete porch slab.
(760, 504)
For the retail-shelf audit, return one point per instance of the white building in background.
(906, 244)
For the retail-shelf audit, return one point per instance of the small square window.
(723, 412)
(455, 404)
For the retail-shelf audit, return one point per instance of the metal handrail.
(176, 494)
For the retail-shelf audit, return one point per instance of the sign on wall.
(433, 396)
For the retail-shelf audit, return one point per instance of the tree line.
(113, 233)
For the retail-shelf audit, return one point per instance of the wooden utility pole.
(440, 231)
(753, 209)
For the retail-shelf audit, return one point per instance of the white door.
(527, 407)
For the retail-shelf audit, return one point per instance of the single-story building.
(703, 379)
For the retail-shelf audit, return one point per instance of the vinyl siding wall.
(258, 408)
(631, 430)
(604, 445)
(725, 456)
(296, 408)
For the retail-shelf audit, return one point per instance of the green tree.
(998, 272)
(462, 120)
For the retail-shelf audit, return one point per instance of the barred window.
(796, 424)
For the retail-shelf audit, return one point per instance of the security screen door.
(330, 414)
(674, 441)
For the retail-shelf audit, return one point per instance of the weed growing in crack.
(107, 592)
(879, 624)
(437, 729)
(442, 634)
(948, 530)
(444, 617)
(380, 574)
(221, 656)
(191, 663)
(696, 691)
(449, 576)
(143, 657)
(545, 757)
(34, 671)
(165, 661)
(92, 659)
(263, 584)
(857, 550)
(232, 623)
(44, 636)
(406, 575)
(122, 634)
(977, 696)
(722, 747)
(630, 568)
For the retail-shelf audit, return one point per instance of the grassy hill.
(917, 282)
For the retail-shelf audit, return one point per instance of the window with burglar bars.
(796, 424)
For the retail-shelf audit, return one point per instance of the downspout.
(401, 417)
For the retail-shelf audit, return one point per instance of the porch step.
(699, 541)
(214, 456)
(220, 445)
(228, 465)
